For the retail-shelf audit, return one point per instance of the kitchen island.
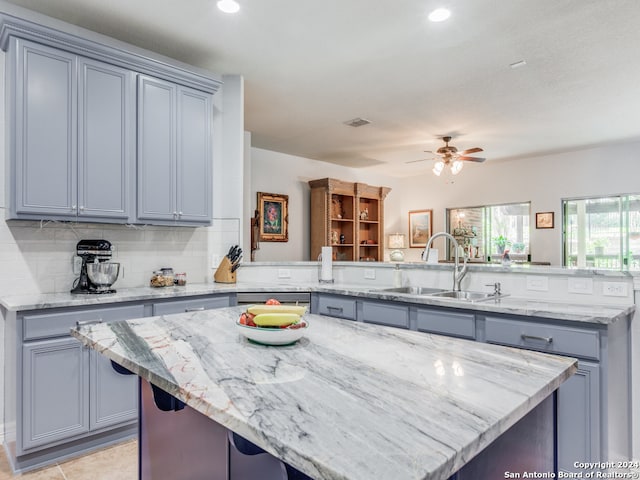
(349, 400)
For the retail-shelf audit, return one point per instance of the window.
(485, 232)
(602, 232)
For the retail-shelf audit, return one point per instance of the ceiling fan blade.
(432, 153)
(471, 150)
(472, 159)
(416, 161)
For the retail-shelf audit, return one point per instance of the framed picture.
(274, 217)
(544, 220)
(420, 227)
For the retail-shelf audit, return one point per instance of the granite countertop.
(577, 312)
(349, 400)
(66, 299)
(601, 314)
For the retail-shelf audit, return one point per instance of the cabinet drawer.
(446, 323)
(546, 338)
(385, 314)
(193, 305)
(337, 307)
(58, 324)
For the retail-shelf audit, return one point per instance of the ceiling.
(311, 65)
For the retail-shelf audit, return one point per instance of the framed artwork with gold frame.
(274, 217)
(420, 227)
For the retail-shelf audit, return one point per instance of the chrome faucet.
(458, 273)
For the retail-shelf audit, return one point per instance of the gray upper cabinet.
(174, 153)
(106, 140)
(72, 129)
(72, 147)
(43, 151)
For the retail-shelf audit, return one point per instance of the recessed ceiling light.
(228, 6)
(439, 15)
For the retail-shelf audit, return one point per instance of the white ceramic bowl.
(272, 336)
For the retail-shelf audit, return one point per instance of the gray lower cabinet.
(72, 141)
(174, 153)
(112, 396)
(63, 391)
(55, 391)
(64, 398)
(383, 313)
(333, 305)
(579, 417)
(591, 401)
(446, 322)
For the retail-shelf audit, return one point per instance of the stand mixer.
(97, 273)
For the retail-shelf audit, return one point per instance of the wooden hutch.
(349, 217)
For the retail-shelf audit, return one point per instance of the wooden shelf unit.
(349, 216)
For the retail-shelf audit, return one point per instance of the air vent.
(357, 122)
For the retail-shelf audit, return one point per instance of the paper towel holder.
(320, 279)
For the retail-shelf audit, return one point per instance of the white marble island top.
(349, 400)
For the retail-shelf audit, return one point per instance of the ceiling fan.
(450, 156)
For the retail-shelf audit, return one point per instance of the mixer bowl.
(103, 274)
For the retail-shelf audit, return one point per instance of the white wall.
(544, 181)
(274, 172)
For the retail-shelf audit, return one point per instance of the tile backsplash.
(37, 257)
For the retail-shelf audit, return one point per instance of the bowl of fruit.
(273, 323)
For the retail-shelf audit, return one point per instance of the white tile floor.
(118, 462)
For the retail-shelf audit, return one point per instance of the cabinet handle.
(535, 337)
(337, 309)
(74, 208)
(175, 214)
(194, 309)
(179, 214)
(84, 323)
(82, 208)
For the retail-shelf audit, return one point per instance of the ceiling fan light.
(439, 15)
(437, 168)
(228, 6)
(456, 167)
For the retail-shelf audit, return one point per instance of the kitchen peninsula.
(595, 330)
(350, 400)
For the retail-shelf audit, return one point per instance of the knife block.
(223, 273)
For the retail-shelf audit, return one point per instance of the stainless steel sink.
(413, 290)
(467, 295)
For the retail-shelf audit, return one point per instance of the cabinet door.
(106, 135)
(579, 418)
(156, 149)
(384, 313)
(55, 392)
(194, 156)
(45, 130)
(448, 322)
(113, 397)
(335, 306)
